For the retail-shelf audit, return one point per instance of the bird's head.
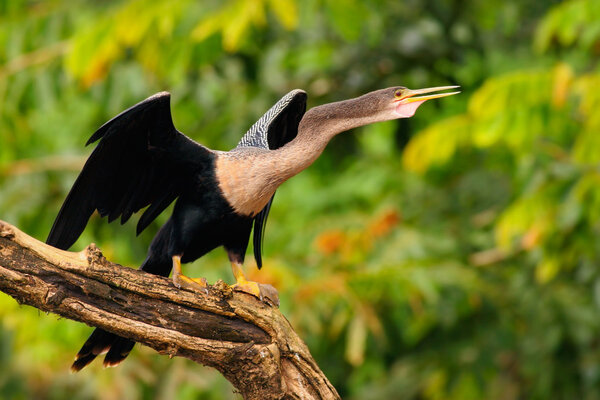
(398, 102)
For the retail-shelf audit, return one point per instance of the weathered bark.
(250, 342)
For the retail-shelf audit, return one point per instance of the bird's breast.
(246, 182)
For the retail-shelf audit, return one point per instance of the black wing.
(274, 129)
(141, 160)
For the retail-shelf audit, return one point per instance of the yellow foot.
(263, 292)
(194, 284)
(182, 281)
(250, 287)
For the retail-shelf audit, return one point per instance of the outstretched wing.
(141, 160)
(274, 129)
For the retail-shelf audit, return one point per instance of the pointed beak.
(410, 96)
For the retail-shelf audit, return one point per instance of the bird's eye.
(398, 93)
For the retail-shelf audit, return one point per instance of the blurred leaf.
(563, 77)
(235, 19)
(546, 270)
(357, 336)
(532, 215)
(569, 23)
(348, 17)
(286, 12)
(436, 144)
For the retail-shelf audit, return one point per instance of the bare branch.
(250, 342)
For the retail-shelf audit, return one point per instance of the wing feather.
(274, 129)
(141, 160)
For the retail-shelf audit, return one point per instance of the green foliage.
(449, 256)
(572, 23)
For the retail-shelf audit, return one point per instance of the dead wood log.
(250, 342)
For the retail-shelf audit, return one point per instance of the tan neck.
(318, 126)
(248, 177)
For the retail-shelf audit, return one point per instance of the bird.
(142, 161)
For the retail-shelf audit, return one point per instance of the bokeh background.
(453, 255)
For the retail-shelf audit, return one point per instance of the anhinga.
(143, 161)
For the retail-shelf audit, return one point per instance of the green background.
(453, 255)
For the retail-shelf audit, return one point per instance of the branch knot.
(6, 230)
(94, 255)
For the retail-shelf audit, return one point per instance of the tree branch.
(250, 342)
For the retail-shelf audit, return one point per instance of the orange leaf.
(384, 224)
(563, 76)
(531, 238)
(330, 242)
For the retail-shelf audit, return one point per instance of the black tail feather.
(118, 352)
(81, 362)
(99, 342)
(118, 348)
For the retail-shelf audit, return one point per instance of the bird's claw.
(264, 292)
(192, 284)
(249, 287)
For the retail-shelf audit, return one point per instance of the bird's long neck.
(318, 126)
